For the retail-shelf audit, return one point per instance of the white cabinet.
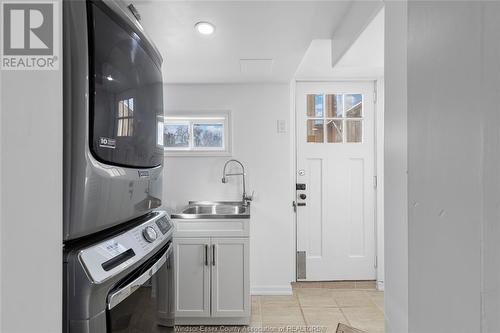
(212, 279)
(192, 280)
(230, 278)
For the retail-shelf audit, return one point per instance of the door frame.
(378, 83)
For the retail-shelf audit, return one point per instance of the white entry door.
(335, 181)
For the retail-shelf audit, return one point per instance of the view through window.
(196, 133)
(334, 118)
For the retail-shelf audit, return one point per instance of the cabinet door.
(230, 277)
(192, 277)
(165, 291)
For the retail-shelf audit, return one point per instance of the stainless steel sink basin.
(214, 210)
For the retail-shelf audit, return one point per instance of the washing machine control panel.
(111, 256)
(150, 234)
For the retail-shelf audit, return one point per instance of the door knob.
(303, 196)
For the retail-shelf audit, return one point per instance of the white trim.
(293, 176)
(380, 285)
(272, 290)
(338, 79)
(379, 173)
(201, 321)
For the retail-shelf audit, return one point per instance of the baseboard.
(271, 290)
(212, 321)
(380, 285)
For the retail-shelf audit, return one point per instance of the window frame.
(200, 117)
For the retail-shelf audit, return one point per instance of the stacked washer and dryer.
(117, 243)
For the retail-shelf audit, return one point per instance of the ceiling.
(270, 37)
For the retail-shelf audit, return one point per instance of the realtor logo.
(30, 36)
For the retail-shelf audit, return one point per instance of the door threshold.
(351, 284)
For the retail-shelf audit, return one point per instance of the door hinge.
(375, 182)
(375, 96)
(376, 261)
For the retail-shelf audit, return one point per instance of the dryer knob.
(149, 234)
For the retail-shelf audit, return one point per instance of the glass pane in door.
(353, 105)
(315, 106)
(334, 106)
(334, 130)
(354, 131)
(315, 130)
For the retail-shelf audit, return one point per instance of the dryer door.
(126, 102)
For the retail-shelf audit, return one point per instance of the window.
(197, 134)
(176, 134)
(334, 118)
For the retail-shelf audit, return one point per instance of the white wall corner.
(395, 168)
(279, 290)
(357, 18)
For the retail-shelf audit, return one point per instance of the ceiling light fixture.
(205, 28)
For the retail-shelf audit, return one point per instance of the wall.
(354, 22)
(31, 201)
(445, 165)
(395, 160)
(491, 165)
(266, 156)
(364, 59)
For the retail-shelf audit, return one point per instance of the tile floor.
(319, 304)
(326, 304)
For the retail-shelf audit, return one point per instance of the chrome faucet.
(245, 198)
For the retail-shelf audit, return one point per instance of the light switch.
(282, 126)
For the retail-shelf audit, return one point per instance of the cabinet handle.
(213, 254)
(206, 254)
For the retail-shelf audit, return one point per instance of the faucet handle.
(249, 197)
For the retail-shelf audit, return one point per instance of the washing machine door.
(132, 305)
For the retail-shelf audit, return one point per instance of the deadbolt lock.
(300, 187)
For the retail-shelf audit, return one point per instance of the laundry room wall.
(396, 168)
(444, 166)
(31, 200)
(266, 154)
(491, 165)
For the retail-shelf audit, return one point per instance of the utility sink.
(214, 210)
